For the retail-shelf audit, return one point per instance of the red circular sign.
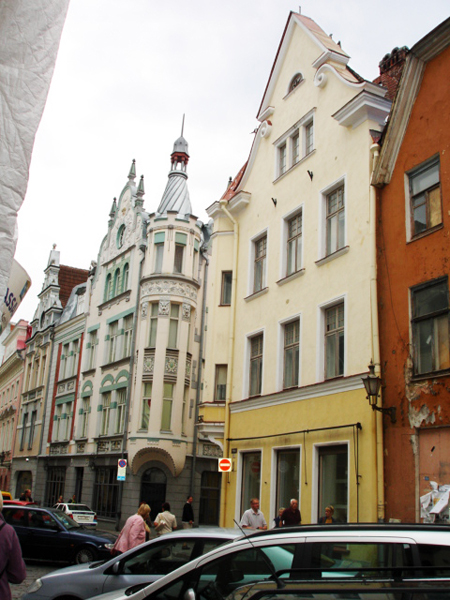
(224, 464)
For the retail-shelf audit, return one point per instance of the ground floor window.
(251, 478)
(333, 481)
(56, 479)
(106, 490)
(210, 498)
(288, 477)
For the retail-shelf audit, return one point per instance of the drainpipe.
(377, 416)
(226, 435)
(39, 454)
(130, 383)
(199, 378)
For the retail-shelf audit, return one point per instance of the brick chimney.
(391, 67)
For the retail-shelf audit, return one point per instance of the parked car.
(322, 553)
(81, 513)
(49, 534)
(143, 564)
(18, 502)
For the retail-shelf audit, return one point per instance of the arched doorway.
(153, 490)
(24, 482)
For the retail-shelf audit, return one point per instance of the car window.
(15, 517)
(356, 559)
(68, 522)
(41, 520)
(218, 578)
(158, 559)
(435, 560)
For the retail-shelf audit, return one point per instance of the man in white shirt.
(253, 517)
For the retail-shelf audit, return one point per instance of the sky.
(127, 71)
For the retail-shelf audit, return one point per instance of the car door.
(18, 518)
(153, 560)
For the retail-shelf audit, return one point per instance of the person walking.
(26, 496)
(133, 532)
(165, 521)
(12, 567)
(187, 518)
(291, 516)
(253, 518)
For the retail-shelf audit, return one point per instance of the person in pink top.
(133, 532)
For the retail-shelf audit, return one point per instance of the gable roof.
(68, 278)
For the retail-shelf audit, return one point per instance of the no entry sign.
(225, 465)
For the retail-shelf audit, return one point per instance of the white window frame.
(251, 266)
(320, 344)
(273, 476)
(247, 352)
(284, 240)
(315, 478)
(280, 351)
(323, 257)
(240, 461)
(287, 140)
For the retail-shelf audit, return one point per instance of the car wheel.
(85, 554)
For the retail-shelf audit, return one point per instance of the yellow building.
(291, 298)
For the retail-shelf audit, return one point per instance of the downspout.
(377, 416)
(226, 435)
(199, 379)
(130, 383)
(39, 455)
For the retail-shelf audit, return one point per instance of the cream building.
(291, 325)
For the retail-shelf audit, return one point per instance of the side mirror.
(189, 594)
(116, 567)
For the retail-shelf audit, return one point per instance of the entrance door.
(210, 498)
(153, 490)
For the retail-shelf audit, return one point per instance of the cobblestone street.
(34, 570)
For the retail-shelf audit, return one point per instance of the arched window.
(295, 81)
(115, 289)
(108, 287)
(153, 489)
(125, 277)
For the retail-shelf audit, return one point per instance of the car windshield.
(68, 522)
(73, 507)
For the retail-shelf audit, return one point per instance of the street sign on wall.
(121, 469)
(225, 465)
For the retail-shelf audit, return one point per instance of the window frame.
(288, 347)
(113, 341)
(106, 413)
(121, 402)
(174, 325)
(257, 359)
(220, 369)
(324, 255)
(167, 407)
(410, 175)
(328, 335)
(226, 288)
(333, 221)
(146, 405)
(257, 260)
(153, 327)
(289, 153)
(178, 259)
(297, 239)
(159, 257)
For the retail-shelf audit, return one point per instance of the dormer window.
(295, 81)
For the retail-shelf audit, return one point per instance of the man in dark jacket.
(291, 516)
(12, 567)
(187, 517)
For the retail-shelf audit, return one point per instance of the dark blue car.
(49, 534)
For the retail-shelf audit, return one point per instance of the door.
(210, 498)
(153, 490)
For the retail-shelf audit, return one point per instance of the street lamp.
(372, 383)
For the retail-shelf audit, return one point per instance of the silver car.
(142, 564)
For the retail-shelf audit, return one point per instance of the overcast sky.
(126, 72)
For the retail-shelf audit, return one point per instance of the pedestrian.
(60, 500)
(328, 518)
(165, 521)
(277, 520)
(26, 496)
(133, 532)
(291, 516)
(187, 518)
(253, 517)
(73, 500)
(148, 523)
(12, 567)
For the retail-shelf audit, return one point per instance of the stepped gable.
(68, 278)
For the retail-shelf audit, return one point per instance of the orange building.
(413, 241)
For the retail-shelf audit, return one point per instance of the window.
(291, 354)
(146, 403)
(220, 392)
(92, 349)
(86, 409)
(334, 341)
(335, 225)
(184, 409)
(430, 327)
(260, 264)
(333, 481)
(106, 408)
(127, 335)
(256, 363)
(153, 324)
(120, 236)
(282, 159)
(251, 478)
(64, 363)
(126, 271)
(425, 197)
(106, 490)
(287, 476)
(173, 325)
(295, 81)
(24, 430)
(295, 144)
(108, 287)
(32, 429)
(225, 296)
(113, 337)
(121, 400)
(309, 137)
(73, 359)
(195, 264)
(57, 422)
(294, 244)
(166, 419)
(178, 262)
(115, 290)
(159, 254)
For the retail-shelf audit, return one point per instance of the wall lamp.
(372, 383)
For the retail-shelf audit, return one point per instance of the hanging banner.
(18, 285)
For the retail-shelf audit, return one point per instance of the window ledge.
(256, 294)
(330, 257)
(292, 167)
(290, 277)
(431, 375)
(115, 363)
(418, 236)
(88, 371)
(226, 305)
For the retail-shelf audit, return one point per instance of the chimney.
(391, 67)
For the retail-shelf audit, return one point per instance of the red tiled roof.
(231, 189)
(69, 277)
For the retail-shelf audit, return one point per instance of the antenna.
(182, 126)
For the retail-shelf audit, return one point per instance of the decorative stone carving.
(149, 364)
(164, 307)
(61, 388)
(144, 310)
(169, 287)
(81, 447)
(70, 385)
(103, 446)
(116, 446)
(213, 451)
(186, 311)
(171, 366)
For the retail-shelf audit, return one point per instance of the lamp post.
(372, 384)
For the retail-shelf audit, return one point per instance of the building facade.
(413, 277)
(292, 303)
